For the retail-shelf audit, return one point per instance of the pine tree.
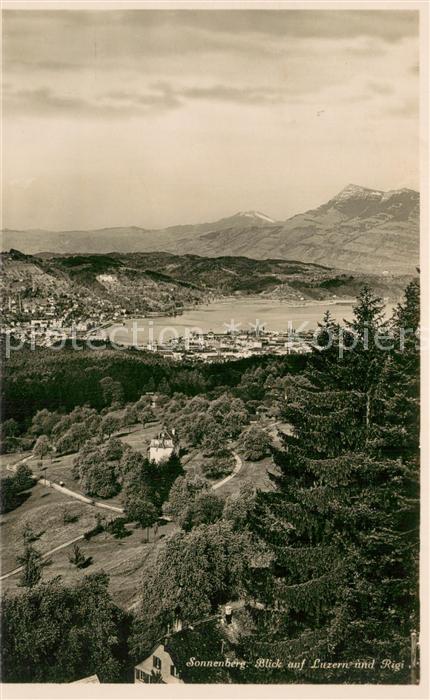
(339, 576)
(394, 438)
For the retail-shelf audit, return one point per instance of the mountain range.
(360, 229)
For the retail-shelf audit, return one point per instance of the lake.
(218, 317)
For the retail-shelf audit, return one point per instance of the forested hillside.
(76, 287)
(53, 379)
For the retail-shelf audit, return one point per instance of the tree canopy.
(53, 633)
(342, 522)
(195, 571)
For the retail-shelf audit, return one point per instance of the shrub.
(68, 517)
(117, 528)
(31, 562)
(8, 494)
(12, 487)
(79, 559)
(29, 535)
(23, 478)
(97, 529)
(219, 466)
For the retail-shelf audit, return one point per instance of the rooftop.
(90, 679)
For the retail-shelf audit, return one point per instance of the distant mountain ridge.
(358, 229)
(166, 283)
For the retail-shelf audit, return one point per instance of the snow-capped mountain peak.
(256, 215)
(352, 190)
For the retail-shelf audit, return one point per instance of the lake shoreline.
(226, 316)
(228, 299)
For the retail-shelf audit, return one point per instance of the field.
(254, 473)
(44, 509)
(124, 560)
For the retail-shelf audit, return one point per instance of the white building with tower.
(163, 446)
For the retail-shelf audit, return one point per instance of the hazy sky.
(152, 118)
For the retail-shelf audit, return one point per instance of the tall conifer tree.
(340, 577)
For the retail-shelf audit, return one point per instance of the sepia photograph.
(211, 346)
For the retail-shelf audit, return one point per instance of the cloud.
(46, 102)
(163, 96)
(111, 64)
(159, 97)
(403, 108)
(42, 100)
(380, 88)
(123, 34)
(248, 94)
(389, 25)
(17, 64)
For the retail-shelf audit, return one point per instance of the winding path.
(79, 496)
(44, 556)
(236, 470)
(98, 504)
(64, 489)
(13, 467)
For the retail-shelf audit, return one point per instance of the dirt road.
(44, 556)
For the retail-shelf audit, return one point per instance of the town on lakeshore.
(207, 346)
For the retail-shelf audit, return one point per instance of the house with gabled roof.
(163, 446)
(200, 654)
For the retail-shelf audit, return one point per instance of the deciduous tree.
(196, 572)
(255, 444)
(109, 424)
(58, 634)
(31, 561)
(42, 447)
(206, 508)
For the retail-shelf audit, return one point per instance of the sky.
(155, 118)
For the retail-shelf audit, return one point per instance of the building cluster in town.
(56, 317)
(213, 347)
(46, 328)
